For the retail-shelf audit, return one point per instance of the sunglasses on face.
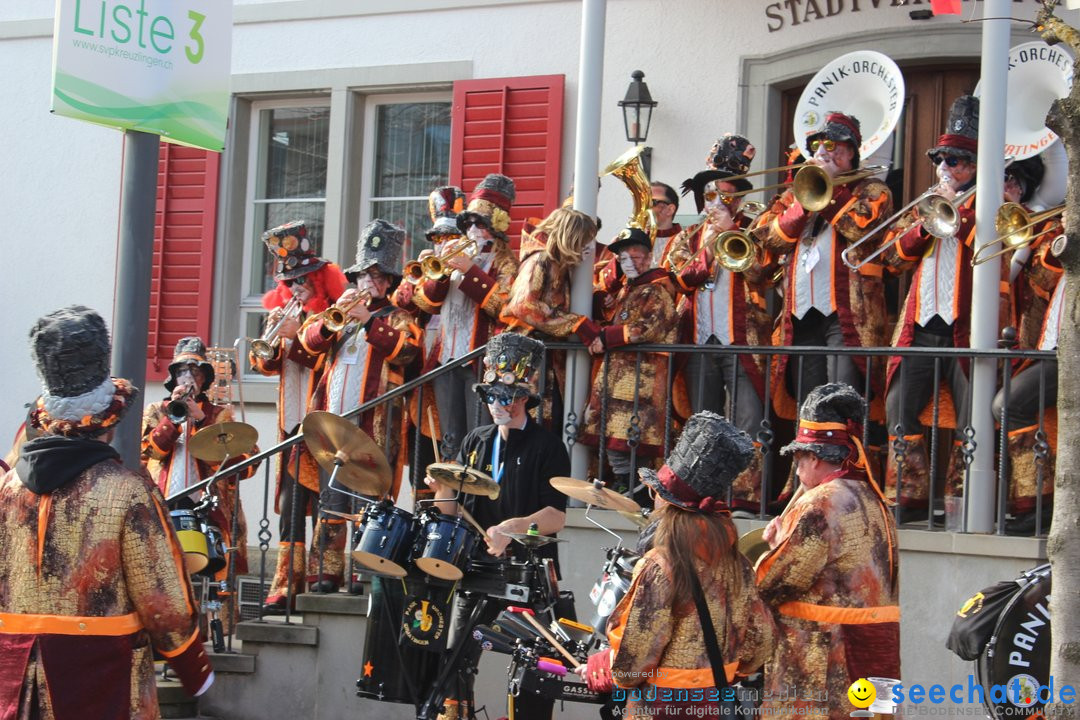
(728, 200)
(296, 281)
(830, 145)
(655, 202)
(500, 400)
(949, 160)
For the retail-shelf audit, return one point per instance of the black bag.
(976, 620)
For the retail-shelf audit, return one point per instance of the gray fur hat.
(71, 350)
(830, 403)
(489, 205)
(511, 365)
(961, 136)
(379, 246)
(190, 351)
(710, 454)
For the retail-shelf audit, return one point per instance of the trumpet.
(265, 348)
(1016, 229)
(177, 410)
(937, 214)
(336, 317)
(434, 267)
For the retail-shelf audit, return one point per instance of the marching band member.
(314, 283)
(469, 302)
(832, 574)
(825, 303)
(665, 205)
(361, 361)
(935, 314)
(165, 442)
(690, 577)
(92, 579)
(539, 302)
(643, 312)
(723, 307)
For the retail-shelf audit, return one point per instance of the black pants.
(816, 329)
(1023, 397)
(913, 386)
(716, 380)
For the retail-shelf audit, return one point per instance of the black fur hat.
(829, 403)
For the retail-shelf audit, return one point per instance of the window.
(287, 181)
(408, 155)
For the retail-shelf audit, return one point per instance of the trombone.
(812, 186)
(265, 347)
(1015, 227)
(336, 317)
(734, 250)
(937, 214)
(434, 267)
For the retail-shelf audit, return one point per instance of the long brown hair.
(683, 536)
(568, 232)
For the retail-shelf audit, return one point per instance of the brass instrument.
(177, 410)
(937, 214)
(336, 317)
(1015, 228)
(223, 360)
(434, 267)
(812, 186)
(735, 251)
(265, 347)
(627, 167)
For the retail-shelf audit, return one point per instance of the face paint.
(499, 414)
(627, 265)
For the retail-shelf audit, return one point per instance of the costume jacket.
(1040, 273)
(656, 639)
(362, 363)
(858, 298)
(832, 582)
(92, 583)
(644, 313)
(469, 315)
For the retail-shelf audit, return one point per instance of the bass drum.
(401, 653)
(1017, 657)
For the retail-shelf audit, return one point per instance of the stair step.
(174, 701)
(253, 631)
(332, 603)
(232, 662)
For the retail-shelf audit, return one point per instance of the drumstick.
(431, 429)
(472, 521)
(528, 615)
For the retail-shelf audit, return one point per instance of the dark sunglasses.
(499, 400)
(661, 202)
(728, 200)
(950, 160)
(298, 281)
(830, 145)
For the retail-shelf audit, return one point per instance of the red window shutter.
(511, 126)
(181, 288)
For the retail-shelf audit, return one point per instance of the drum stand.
(435, 699)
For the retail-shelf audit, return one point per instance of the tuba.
(627, 167)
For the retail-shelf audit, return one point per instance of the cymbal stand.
(430, 709)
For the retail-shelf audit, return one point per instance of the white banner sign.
(159, 66)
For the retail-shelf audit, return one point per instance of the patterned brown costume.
(92, 579)
(832, 577)
(644, 313)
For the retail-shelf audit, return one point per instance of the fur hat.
(444, 204)
(834, 403)
(294, 251)
(489, 205)
(628, 237)
(190, 351)
(730, 155)
(710, 454)
(961, 137)
(1029, 173)
(71, 350)
(839, 128)
(511, 365)
(379, 246)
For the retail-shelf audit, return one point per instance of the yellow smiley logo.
(862, 693)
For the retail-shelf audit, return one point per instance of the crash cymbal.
(214, 442)
(639, 518)
(533, 541)
(354, 517)
(466, 479)
(752, 544)
(594, 493)
(335, 441)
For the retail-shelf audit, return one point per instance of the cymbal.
(466, 479)
(752, 544)
(337, 442)
(639, 518)
(214, 442)
(594, 494)
(533, 541)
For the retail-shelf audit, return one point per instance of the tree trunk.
(1063, 546)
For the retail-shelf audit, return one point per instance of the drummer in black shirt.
(521, 457)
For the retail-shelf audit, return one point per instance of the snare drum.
(215, 545)
(192, 540)
(1018, 654)
(447, 542)
(612, 585)
(386, 538)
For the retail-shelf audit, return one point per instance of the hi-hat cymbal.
(337, 442)
(214, 442)
(639, 518)
(594, 493)
(466, 479)
(532, 541)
